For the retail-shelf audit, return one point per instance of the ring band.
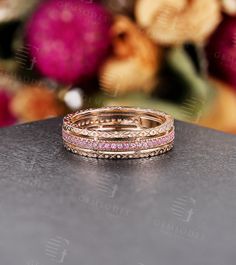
(118, 132)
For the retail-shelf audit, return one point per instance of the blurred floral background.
(58, 56)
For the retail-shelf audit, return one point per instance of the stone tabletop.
(59, 208)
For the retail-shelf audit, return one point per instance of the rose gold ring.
(118, 132)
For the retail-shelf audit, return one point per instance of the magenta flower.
(6, 117)
(68, 40)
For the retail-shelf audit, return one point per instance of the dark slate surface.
(59, 208)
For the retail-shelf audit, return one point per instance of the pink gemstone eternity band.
(118, 132)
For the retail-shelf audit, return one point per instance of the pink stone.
(107, 146)
(139, 145)
(84, 143)
(101, 145)
(113, 146)
(95, 145)
(145, 145)
(126, 146)
(120, 146)
(154, 142)
(89, 144)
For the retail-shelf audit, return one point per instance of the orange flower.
(35, 103)
(134, 63)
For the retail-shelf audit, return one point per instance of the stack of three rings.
(118, 132)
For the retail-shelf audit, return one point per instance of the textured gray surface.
(176, 209)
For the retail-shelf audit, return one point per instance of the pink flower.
(6, 117)
(221, 51)
(68, 40)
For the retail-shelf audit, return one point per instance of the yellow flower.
(229, 6)
(171, 22)
(222, 113)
